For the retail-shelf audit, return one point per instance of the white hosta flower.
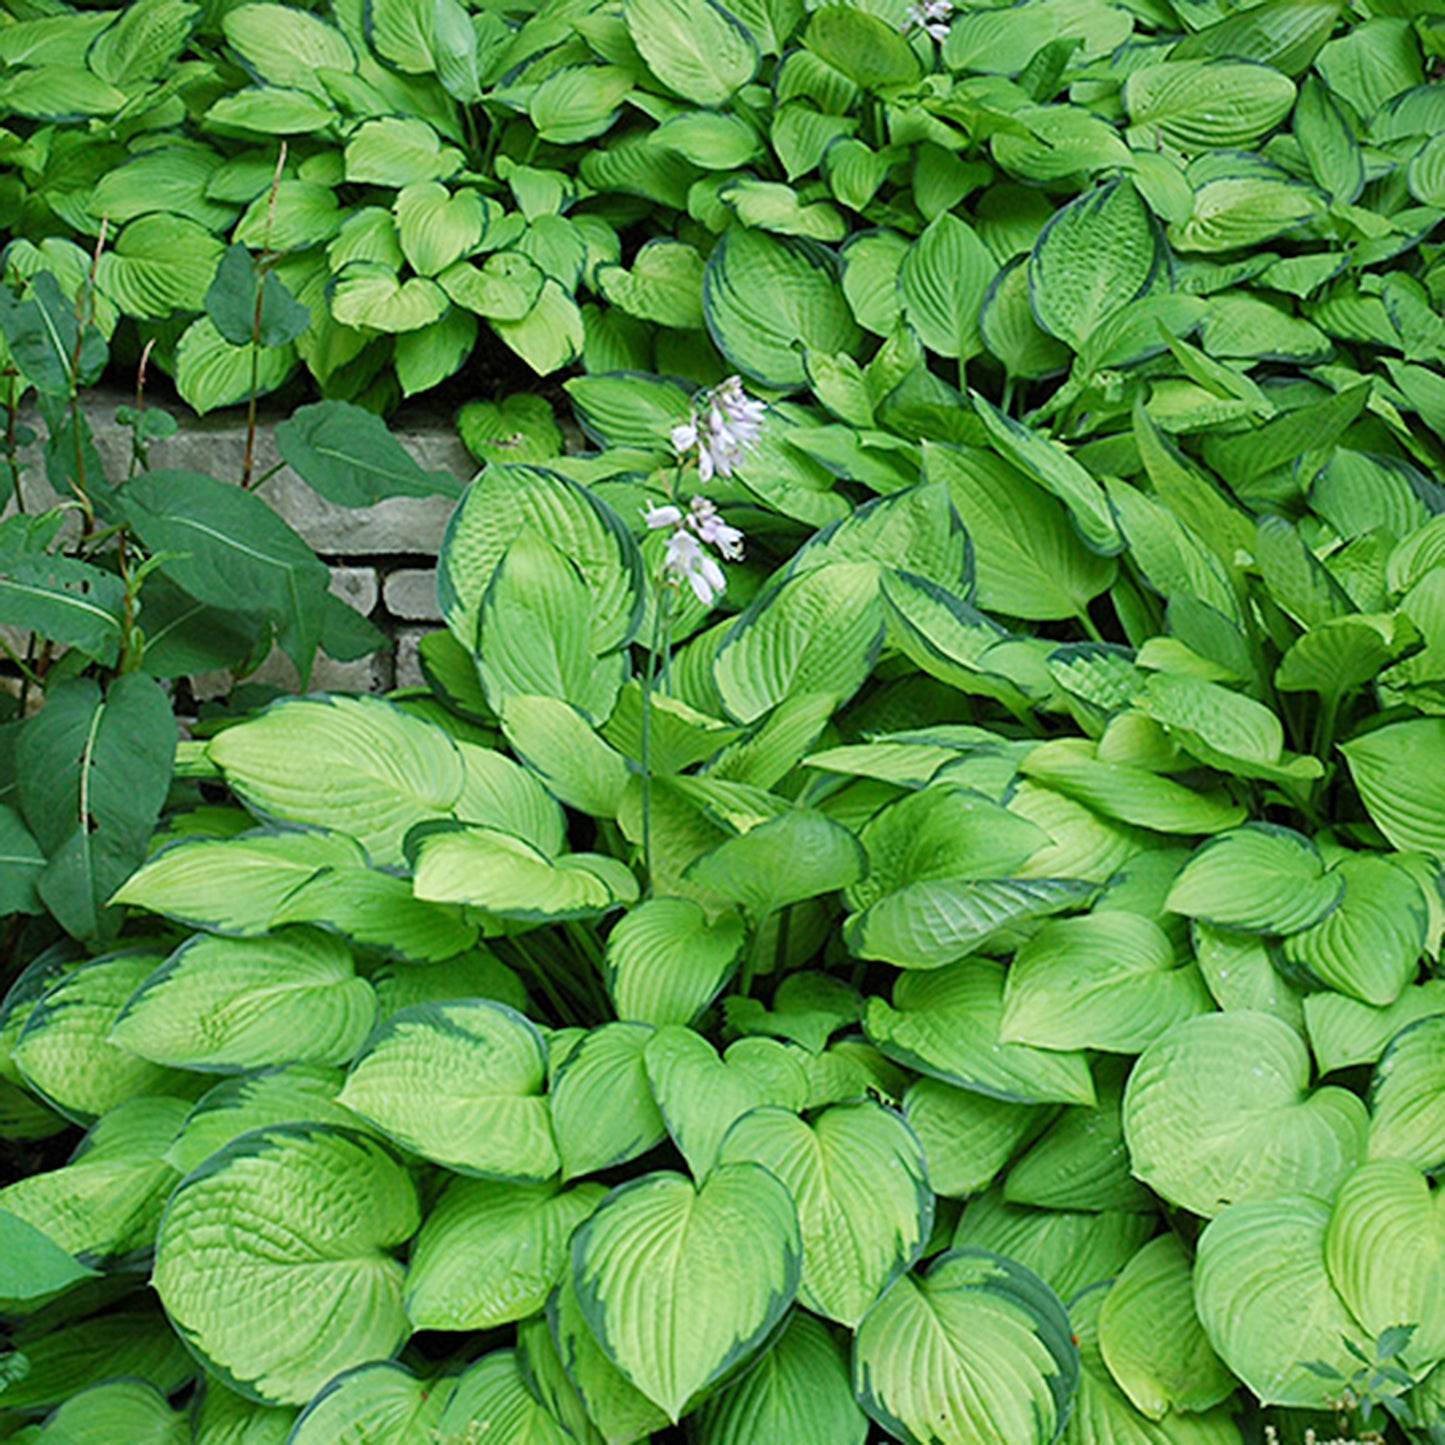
(659, 517)
(729, 426)
(704, 519)
(687, 562)
(933, 16)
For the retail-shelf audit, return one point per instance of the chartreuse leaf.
(131, 1410)
(273, 1216)
(235, 885)
(225, 1418)
(933, 923)
(679, 1282)
(136, 1342)
(1198, 104)
(492, 1396)
(533, 634)
(1369, 947)
(621, 1411)
(1106, 981)
(799, 854)
(512, 878)
(666, 960)
(1258, 879)
(1068, 1249)
(287, 47)
(1219, 1109)
(857, 1176)
(1385, 1251)
(697, 49)
(946, 1023)
(976, 1349)
(491, 1252)
(64, 1051)
(603, 1112)
(380, 1402)
(509, 500)
(764, 294)
(1406, 1121)
(701, 1095)
(460, 1083)
(943, 282)
(229, 1004)
(1151, 1338)
(32, 1266)
(1097, 254)
(256, 1100)
(967, 1137)
(1343, 1031)
(357, 764)
(1081, 1161)
(1267, 1302)
(106, 1202)
(799, 1390)
(1395, 770)
(1030, 560)
(1048, 465)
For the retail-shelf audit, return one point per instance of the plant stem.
(661, 622)
(1087, 623)
(754, 957)
(249, 463)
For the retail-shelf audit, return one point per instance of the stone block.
(411, 592)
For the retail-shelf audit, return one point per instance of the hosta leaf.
(1068, 1249)
(701, 1095)
(976, 1351)
(509, 500)
(1108, 981)
(369, 294)
(621, 1411)
(678, 1282)
(397, 151)
(946, 1023)
(1219, 1109)
(211, 372)
(1266, 1300)
(286, 47)
(382, 1402)
(137, 1343)
(932, 924)
(1081, 1161)
(32, 1266)
(229, 1004)
(1258, 879)
(274, 1212)
(1048, 465)
(296, 1093)
(1199, 104)
(1394, 769)
(491, 1252)
(666, 960)
(857, 1176)
(356, 764)
(943, 282)
(235, 885)
(493, 1396)
(460, 1083)
(64, 1051)
(763, 294)
(1407, 1096)
(1097, 254)
(1368, 948)
(798, 1391)
(967, 1137)
(131, 1410)
(603, 1112)
(225, 1418)
(799, 854)
(1385, 1251)
(1343, 1031)
(1151, 1338)
(695, 48)
(511, 878)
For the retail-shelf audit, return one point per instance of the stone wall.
(382, 558)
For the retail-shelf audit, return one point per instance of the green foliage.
(980, 989)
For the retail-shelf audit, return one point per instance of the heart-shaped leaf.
(679, 1283)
